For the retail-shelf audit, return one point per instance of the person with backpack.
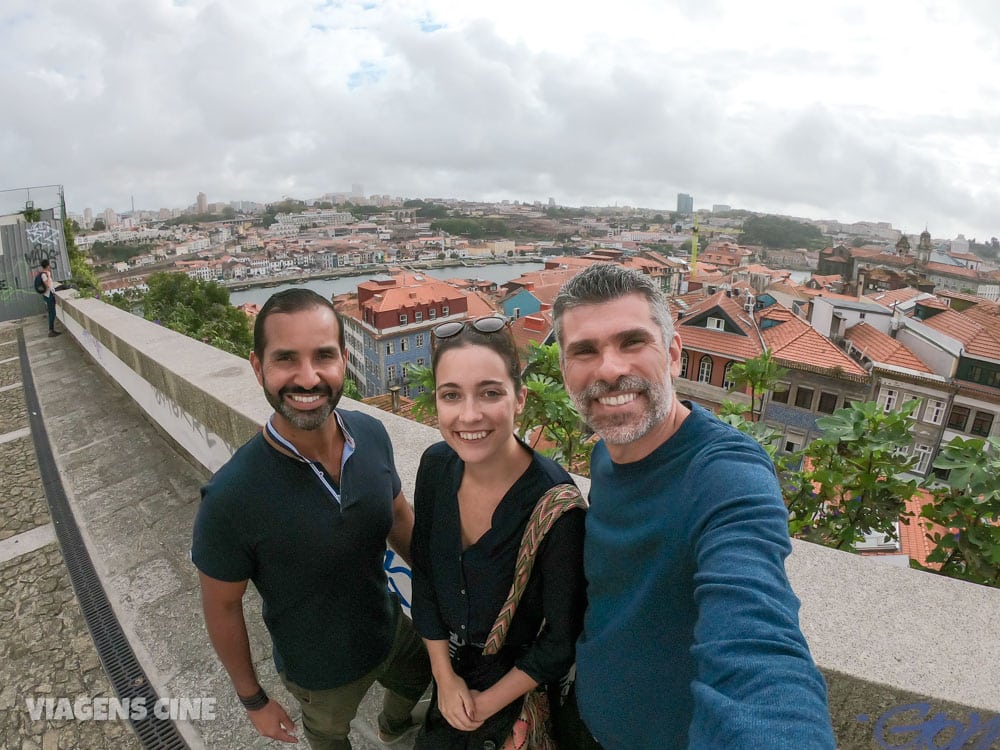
(43, 285)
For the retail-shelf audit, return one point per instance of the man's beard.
(623, 429)
(305, 420)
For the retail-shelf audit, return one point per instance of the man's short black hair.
(292, 301)
(44, 263)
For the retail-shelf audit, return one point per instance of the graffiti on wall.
(7, 294)
(195, 425)
(400, 578)
(43, 240)
(916, 726)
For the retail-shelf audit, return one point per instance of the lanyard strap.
(314, 465)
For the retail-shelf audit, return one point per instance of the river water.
(499, 272)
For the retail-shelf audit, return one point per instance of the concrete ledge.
(897, 646)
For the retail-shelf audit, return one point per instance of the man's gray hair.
(604, 282)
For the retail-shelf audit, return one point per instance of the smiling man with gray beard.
(691, 636)
(304, 510)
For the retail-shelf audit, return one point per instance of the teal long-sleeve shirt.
(691, 637)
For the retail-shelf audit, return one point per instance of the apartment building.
(388, 323)
(734, 325)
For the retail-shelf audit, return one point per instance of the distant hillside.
(781, 234)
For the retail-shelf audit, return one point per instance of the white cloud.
(882, 111)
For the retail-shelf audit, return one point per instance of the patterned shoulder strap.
(550, 506)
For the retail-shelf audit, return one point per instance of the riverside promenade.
(133, 496)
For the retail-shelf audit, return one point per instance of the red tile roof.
(959, 295)
(406, 408)
(883, 349)
(699, 338)
(787, 287)
(567, 261)
(535, 327)
(410, 291)
(913, 535)
(793, 342)
(533, 280)
(935, 303)
(805, 348)
(479, 305)
(719, 342)
(977, 340)
(828, 279)
(892, 296)
(949, 270)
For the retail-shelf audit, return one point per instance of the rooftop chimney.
(394, 392)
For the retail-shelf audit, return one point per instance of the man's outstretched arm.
(222, 603)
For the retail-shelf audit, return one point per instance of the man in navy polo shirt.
(304, 510)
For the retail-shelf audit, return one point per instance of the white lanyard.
(314, 465)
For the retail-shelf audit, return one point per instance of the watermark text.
(86, 708)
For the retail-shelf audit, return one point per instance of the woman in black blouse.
(474, 495)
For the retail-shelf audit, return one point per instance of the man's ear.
(674, 352)
(258, 370)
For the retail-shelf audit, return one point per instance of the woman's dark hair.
(287, 302)
(501, 342)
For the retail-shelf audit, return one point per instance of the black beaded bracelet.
(254, 702)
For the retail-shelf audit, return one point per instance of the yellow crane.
(694, 248)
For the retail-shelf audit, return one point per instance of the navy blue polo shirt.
(318, 566)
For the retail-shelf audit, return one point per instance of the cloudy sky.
(885, 110)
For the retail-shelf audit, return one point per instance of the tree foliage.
(287, 206)
(84, 278)
(351, 390)
(963, 520)
(852, 482)
(114, 252)
(362, 211)
(422, 378)
(472, 228)
(199, 309)
(562, 212)
(198, 218)
(558, 430)
(760, 374)
(778, 233)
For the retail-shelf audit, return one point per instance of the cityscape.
(814, 187)
(853, 314)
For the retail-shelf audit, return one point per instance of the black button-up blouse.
(457, 594)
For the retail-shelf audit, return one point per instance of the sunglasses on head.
(489, 324)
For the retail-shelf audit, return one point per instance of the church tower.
(924, 248)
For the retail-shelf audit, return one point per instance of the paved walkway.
(45, 649)
(134, 498)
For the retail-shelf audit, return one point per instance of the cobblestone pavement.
(45, 648)
(46, 652)
(12, 411)
(22, 498)
(10, 372)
